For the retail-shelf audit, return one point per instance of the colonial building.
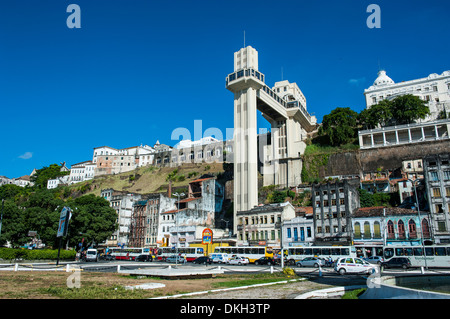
(437, 178)
(83, 171)
(123, 203)
(195, 212)
(375, 227)
(261, 225)
(299, 231)
(333, 206)
(433, 89)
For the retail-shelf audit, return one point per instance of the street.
(327, 273)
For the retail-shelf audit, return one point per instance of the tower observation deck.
(284, 107)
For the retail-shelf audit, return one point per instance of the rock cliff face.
(369, 160)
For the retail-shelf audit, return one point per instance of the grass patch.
(96, 285)
(248, 280)
(353, 294)
(93, 292)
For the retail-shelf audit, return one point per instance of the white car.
(353, 265)
(236, 260)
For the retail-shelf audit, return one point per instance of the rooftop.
(378, 211)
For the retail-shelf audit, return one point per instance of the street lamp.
(413, 182)
(176, 226)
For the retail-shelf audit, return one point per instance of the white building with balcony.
(435, 89)
(405, 134)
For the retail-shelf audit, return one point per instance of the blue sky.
(137, 70)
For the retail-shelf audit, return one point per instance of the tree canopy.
(401, 110)
(340, 126)
(42, 175)
(409, 108)
(92, 217)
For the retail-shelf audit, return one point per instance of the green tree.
(339, 126)
(378, 114)
(14, 229)
(365, 198)
(42, 175)
(408, 108)
(11, 191)
(92, 219)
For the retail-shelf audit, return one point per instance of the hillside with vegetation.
(150, 179)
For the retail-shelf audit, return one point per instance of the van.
(221, 258)
(91, 255)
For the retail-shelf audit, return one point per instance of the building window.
(412, 229)
(438, 208)
(441, 226)
(446, 175)
(289, 233)
(377, 230)
(401, 229)
(390, 229)
(436, 192)
(433, 176)
(425, 229)
(367, 234)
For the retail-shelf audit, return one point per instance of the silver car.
(173, 259)
(310, 262)
(375, 260)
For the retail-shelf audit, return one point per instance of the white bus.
(189, 253)
(251, 252)
(127, 253)
(295, 254)
(436, 256)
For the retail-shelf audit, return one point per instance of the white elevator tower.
(284, 106)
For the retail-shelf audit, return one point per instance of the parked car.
(374, 260)
(220, 258)
(265, 261)
(173, 259)
(92, 255)
(202, 260)
(310, 262)
(397, 262)
(353, 265)
(144, 257)
(106, 257)
(236, 260)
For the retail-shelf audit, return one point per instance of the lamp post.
(413, 182)
(176, 227)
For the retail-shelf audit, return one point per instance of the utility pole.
(420, 222)
(176, 227)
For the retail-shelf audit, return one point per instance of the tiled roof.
(378, 211)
